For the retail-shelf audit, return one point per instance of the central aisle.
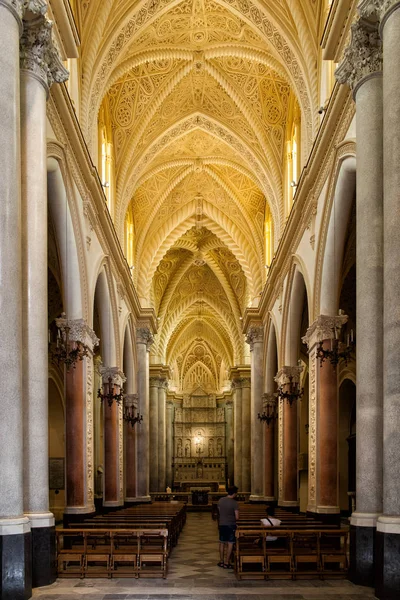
(194, 575)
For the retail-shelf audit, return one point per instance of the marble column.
(15, 537)
(269, 449)
(40, 66)
(79, 411)
(255, 338)
(154, 386)
(130, 451)
(113, 481)
(387, 581)
(237, 425)
(246, 435)
(162, 425)
(229, 440)
(365, 79)
(144, 339)
(170, 443)
(323, 477)
(288, 484)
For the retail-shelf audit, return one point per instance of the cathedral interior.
(200, 286)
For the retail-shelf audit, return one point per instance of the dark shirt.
(227, 507)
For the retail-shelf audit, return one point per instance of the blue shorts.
(227, 533)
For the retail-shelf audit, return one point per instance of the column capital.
(144, 336)
(117, 376)
(164, 383)
(269, 399)
(79, 331)
(38, 54)
(131, 400)
(241, 382)
(322, 329)
(285, 373)
(254, 335)
(362, 57)
(154, 382)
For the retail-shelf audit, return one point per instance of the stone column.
(40, 67)
(154, 385)
(170, 443)
(130, 452)
(388, 525)
(246, 435)
(162, 425)
(255, 338)
(15, 546)
(144, 339)
(79, 425)
(237, 424)
(113, 494)
(229, 440)
(288, 484)
(269, 449)
(365, 79)
(323, 477)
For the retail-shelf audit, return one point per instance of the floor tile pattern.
(194, 575)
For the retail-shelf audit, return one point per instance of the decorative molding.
(280, 450)
(88, 363)
(363, 57)
(323, 329)
(38, 54)
(121, 451)
(312, 431)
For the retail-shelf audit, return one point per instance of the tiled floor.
(194, 575)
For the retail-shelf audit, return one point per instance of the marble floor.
(194, 575)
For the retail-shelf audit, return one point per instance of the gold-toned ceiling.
(199, 95)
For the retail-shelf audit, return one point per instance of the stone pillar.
(269, 450)
(323, 497)
(79, 425)
(246, 435)
(154, 385)
(15, 542)
(144, 339)
(237, 424)
(130, 452)
(170, 443)
(229, 440)
(288, 484)
(162, 425)
(365, 79)
(387, 582)
(255, 338)
(113, 494)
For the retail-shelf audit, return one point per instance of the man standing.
(228, 509)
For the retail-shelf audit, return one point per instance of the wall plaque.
(56, 473)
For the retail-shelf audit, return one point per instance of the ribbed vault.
(199, 96)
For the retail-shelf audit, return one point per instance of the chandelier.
(130, 411)
(269, 414)
(339, 349)
(110, 396)
(65, 350)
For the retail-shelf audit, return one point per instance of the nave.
(193, 575)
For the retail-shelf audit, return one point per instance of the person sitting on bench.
(270, 522)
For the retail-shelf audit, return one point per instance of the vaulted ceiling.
(198, 93)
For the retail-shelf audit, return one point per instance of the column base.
(290, 505)
(387, 558)
(43, 533)
(328, 518)
(15, 559)
(362, 548)
(141, 499)
(257, 499)
(76, 517)
(113, 504)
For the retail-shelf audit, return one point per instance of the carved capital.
(285, 373)
(117, 376)
(38, 54)
(154, 382)
(131, 400)
(363, 57)
(322, 329)
(144, 336)
(269, 400)
(79, 331)
(254, 335)
(163, 383)
(377, 10)
(240, 383)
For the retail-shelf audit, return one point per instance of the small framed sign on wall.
(56, 473)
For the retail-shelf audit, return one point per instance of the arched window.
(293, 158)
(106, 155)
(129, 239)
(268, 239)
